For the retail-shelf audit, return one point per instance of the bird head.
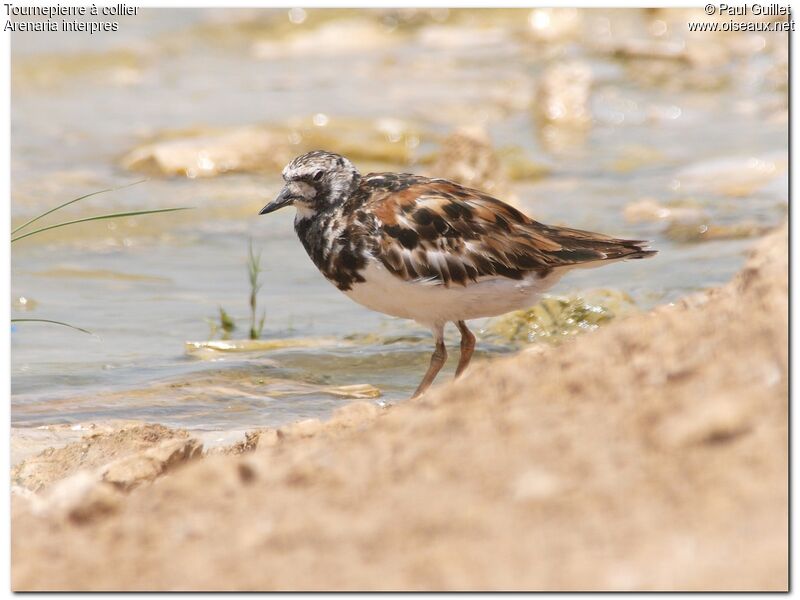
(315, 181)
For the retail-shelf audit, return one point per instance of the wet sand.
(651, 454)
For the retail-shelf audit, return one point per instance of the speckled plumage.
(430, 249)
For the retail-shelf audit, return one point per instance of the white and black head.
(315, 181)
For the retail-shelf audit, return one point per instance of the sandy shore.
(649, 455)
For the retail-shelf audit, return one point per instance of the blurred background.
(618, 121)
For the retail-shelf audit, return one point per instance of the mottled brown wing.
(439, 231)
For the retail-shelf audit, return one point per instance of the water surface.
(148, 285)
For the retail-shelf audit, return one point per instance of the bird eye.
(317, 175)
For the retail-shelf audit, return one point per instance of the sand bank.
(651, 454)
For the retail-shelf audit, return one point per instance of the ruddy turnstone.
(431, 250)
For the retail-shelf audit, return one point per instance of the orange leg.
(438, 359)
(467, 347)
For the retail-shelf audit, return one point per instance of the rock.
(251, 440)
(557, 139)
(563, 94)
(79, 498)
(95, 447)
(24, 303)
(304, 428)
(357, 390)
(267, 148)
(704, 231)
(28, 442)
(673, 58)
(211, 349)
(467, 157)
(367, 142)
(268, 438)
(645, 210)
(519, 166)
(650, 210)
(355, 413)
(554, 318)
(562, 107)
(733, 176)
(133, 470)
(77, 482)
(649, 48)
(237, 150)
(689, 224)
(635, 157)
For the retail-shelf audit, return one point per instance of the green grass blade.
(97, 218)
(60, 206)
(49, 321)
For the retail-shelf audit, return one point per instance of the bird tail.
(580, 248)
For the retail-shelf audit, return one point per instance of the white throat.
(304, 211)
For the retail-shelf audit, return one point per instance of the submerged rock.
(468, 157)
(366, 142)
(651, 210)
(669, 56)
(210, 154)
(212, 348)
(704, 231)
(260, 148)
(296, 388)
(120, 67)
(635, 157)
(69, 272)
(562, 107)
(24, 303)
(686, 222)
(648, 48)
(732, 176)
(563, 94)
(554, 318)
(519, 166)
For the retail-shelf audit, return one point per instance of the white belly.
(432, 304)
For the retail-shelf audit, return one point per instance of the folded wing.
(439, 231)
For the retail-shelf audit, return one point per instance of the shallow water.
(146, 286)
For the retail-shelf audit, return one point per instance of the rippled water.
(146, 286)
